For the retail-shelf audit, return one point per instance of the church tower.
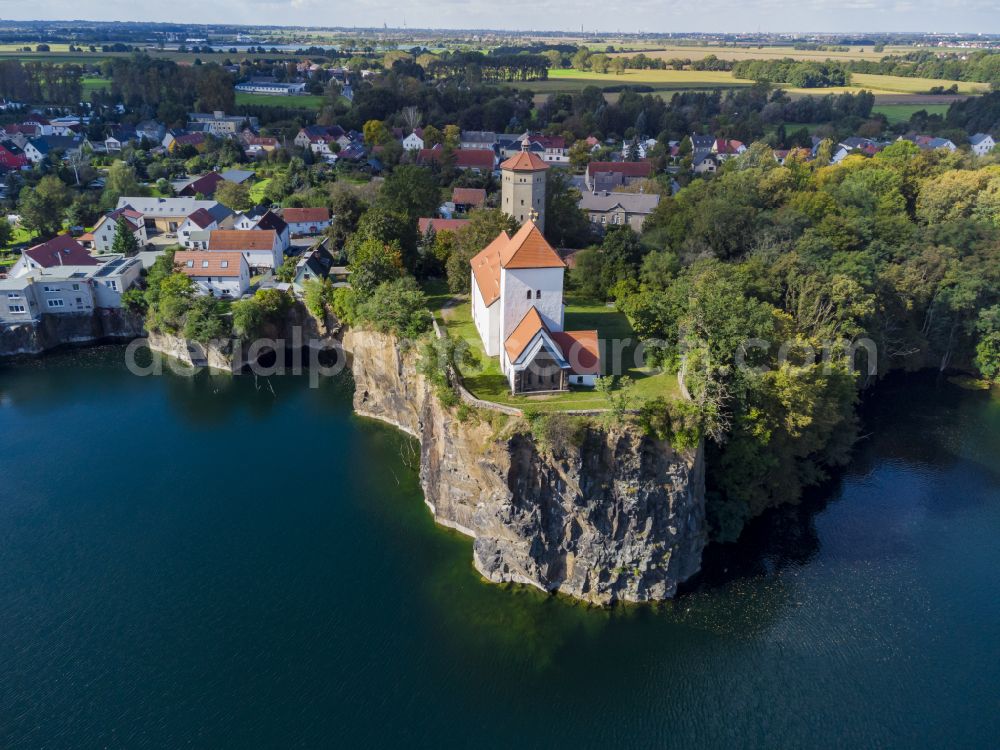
(522, 191)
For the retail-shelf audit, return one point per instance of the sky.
(834, 16)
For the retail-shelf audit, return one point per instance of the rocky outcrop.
(617, 516)
(53, 331)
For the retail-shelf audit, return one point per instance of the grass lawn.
(306, 101)
(257, 190)
(90, 85)
(487, 381)
(902, 112)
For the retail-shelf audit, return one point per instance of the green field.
(888, 89)
(902, 112)
(487, 382)
(257, 190)
(90, 85)
(306, 101)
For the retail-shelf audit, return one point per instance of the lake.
(229, 563)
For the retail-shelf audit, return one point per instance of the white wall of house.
(108, 290)
(413, 142)
(105, 231)
(984, 147)
(515, 283)
(308, 227)
(487, 320)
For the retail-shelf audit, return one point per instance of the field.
(696, 52)
(90, 85)
(306, 101)
(487, 382)
(887, 89)
(902, 112)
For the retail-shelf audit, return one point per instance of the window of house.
(76, 287)
(113, 285)
(529, 294)
(204, 264)
(224, 264)
(55, 303)
(12, 295)
(15, 308)
(190, 264)
(79, 300)
(522, 201)
(538, 294)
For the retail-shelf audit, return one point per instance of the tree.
(234, 195)
(43, 207)
(121, 181)
(125, 242)
(483, 227)
(411, 191)
(565, 224)
(373, 262)
(6, 231)
(375, 133)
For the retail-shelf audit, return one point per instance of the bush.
(398, 307)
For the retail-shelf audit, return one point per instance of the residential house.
(258, 145)
(219, 123)
(12, 156)
(164, 214)
(701, 146)
(617, 209)
(982, 144)
(27, 297)
(106, 229)
(151, 130)
(707, 164)
(265, 220)
(607, 175)
(466, 199)
(314, 265)
(38, 149)
(193, 232)
(478, 140)
(119, 137)
(112, 279)
(261, 248)
(60, 251)
(197, 141)
(440, 225)
(724, 149)
(517, 307)
(239, 176)
(219, 274)
(929, 143)
(306, 221)
(414, 141)
(204, 185)
(475, 160)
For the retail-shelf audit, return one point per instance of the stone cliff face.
(619, 518)
(53, 331)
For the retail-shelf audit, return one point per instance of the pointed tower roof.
(529, 249)
(524, 161)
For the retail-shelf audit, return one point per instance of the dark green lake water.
(204, 563)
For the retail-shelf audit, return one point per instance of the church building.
(517, 306)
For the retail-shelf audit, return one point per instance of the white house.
(112, 279)
(216, 274)
(107, 228)
(306, 221)
(259, 247)
(271, 88)
(62, 290)
(59, 252)
(982, 144)
(517, 307)
(414, 141)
